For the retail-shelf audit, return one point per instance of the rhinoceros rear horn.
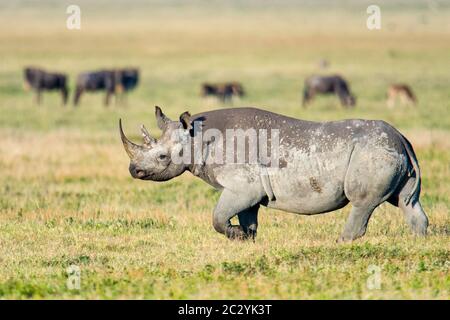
(148, 139)
(131, 148)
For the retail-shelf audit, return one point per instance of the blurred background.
(269, 46)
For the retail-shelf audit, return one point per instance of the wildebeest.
(334, 84)
(40, 80)
(114, 82)
(402, 91)
(322, 166)
(223, 91)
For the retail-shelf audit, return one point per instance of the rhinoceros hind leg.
(356, 224)
(415, 217)
(229, 205)
(367, 187)
(413, 211)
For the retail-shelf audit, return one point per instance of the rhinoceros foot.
(238, 233)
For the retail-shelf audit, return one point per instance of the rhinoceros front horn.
(131, 148)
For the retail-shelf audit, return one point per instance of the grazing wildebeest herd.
(114, 82)
(320, 166)
(117, 82)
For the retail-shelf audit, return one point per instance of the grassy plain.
(66, 196)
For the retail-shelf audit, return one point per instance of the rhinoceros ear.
(161, 118)
(185, 119)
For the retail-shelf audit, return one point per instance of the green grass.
(66, 197)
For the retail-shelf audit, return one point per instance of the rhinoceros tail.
(412, 157)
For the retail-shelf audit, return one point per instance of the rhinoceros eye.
(162, 157)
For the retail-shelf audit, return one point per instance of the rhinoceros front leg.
(231, 204)
(248, 219)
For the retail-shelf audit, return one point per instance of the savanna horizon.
(67, 196)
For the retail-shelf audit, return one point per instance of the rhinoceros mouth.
(151, 175)
(158, 176)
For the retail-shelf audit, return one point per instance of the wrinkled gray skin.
(323, 167)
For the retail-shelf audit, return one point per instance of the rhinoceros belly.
(312, 184)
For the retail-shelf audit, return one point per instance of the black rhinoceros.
(312, 167)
